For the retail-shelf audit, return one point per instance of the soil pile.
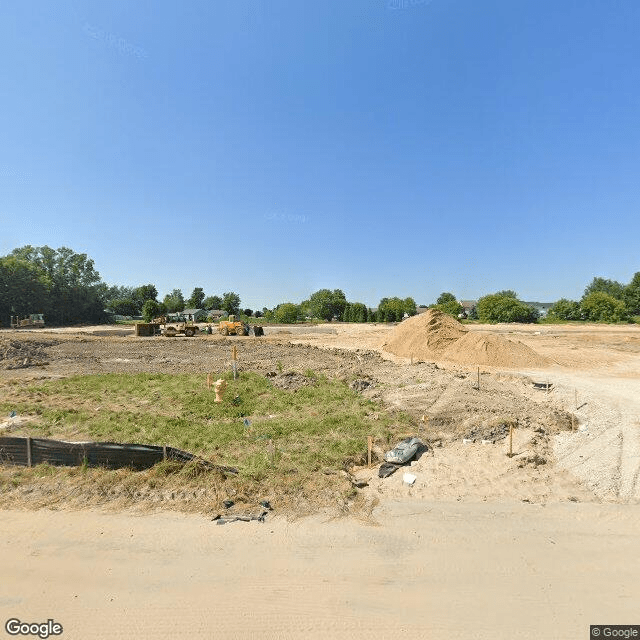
(15, 354)
(425, 336)
(438, 336)
(494, 351)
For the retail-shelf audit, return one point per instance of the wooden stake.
(369, 447)
(28, 451)
(164, 452)
(208, 381)
(511, 441)
(478, 378)
(234, 355)
(271, 451)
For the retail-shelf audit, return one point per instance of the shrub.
(565, 309)
(152, 309)
(632, 295)
(602, 307)
(452, 307)
(502, 308)
(287, 313)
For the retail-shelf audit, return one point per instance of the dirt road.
(429, 571)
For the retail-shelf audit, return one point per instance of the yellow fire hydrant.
(220, 387)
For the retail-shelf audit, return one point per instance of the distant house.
(468, 306)
(542, 307)
(216, 314)
(197, 315)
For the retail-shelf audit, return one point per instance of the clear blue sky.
(273, 148)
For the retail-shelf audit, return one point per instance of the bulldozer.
(231, 327)
(171, 327)
(33, 321)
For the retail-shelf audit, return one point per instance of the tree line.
(333, 305)
(66, 287)
(603, 300)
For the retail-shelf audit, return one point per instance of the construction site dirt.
(586, 428)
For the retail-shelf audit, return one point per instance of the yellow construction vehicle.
(231, 327)
(171, 326)
(33, 321)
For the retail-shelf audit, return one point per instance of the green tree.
(602, 285)
(287, 313)
(358, 312)
(305, 309)
(257, 314)
(76, 293)
(115, 292)
(504, 308)
(125, 307)
(231, 303)
(24, 288)
(152, 309)
(143, 293)
(247, 312)
(632, 295)
(507, 293)
(196, 301)
(565, 309)
(174, 301)
(212, 302)
(393, 309)
(452, 307)
(603, 307)
(445, 297)
(409, 306)
(326, 304)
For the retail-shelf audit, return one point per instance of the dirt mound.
(438, 336)
(425, 336)
(290, 381)
(494, 351)
(15, 354)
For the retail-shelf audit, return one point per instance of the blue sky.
(273, 148)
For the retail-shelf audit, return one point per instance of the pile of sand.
(438, 336)
(494, 351)
(425, 336)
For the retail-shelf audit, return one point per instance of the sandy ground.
(428, 571)
(482, 546)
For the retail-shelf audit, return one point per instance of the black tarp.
(111, 455)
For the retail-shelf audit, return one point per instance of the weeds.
(291, 435)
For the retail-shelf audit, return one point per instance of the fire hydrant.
(220, 387)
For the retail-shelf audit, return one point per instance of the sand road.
(443, 570)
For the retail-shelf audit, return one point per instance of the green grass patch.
(259, 428)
